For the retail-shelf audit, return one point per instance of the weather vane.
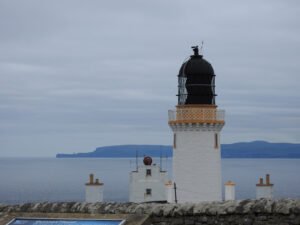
(196, 50)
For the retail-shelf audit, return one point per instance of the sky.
(76, 75)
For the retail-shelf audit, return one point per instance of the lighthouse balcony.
(197, 115)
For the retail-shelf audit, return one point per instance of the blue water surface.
(56, 180)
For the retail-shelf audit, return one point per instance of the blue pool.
(32, 221)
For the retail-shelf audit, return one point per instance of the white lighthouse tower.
(196, 123)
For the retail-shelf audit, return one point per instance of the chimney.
(268, 179)
(229, 190)
(94, 190)
(264, 190)
(91, 178)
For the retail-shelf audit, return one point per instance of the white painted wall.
(197, 164)
(264, 192)
(94, 193)
(229, 192)
(169, 192)
(139, 182)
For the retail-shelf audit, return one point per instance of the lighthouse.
(196, 124)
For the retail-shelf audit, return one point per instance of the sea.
(56, 180)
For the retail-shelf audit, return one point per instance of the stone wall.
(256, 212)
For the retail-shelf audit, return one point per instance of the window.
(174, 141)
(148, 191)
(148, 172)
(216, 141)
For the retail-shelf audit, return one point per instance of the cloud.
(77, 75)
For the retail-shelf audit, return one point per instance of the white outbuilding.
(264, 190)
(94, 190)
(148, 183)
(229, 190)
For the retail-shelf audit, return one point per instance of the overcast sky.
(75, 75)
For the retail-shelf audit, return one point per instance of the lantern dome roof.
(196, 81)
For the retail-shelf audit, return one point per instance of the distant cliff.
(123, 151)
(255, 149)
(260, 149)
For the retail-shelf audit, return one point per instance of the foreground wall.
(256, 212)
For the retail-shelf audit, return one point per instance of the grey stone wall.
(256, 212)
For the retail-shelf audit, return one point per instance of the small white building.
(229, 191)
(264, 190)
(169, 191)
(93, 190)
(148, 183)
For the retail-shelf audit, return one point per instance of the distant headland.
(255, 149)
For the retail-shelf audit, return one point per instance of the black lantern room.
(196, 81)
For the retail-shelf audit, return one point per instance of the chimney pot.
(91, 178)
(268, 179)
